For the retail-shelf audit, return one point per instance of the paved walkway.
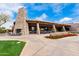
(38, 45)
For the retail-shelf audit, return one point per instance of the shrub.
(2, 30)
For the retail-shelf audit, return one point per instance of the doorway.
(18, 30)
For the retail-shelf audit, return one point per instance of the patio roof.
(46, 22)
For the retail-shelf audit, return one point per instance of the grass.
(11, 47)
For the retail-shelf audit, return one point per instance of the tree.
(3, 19)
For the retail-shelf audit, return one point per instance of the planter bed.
(60, 36)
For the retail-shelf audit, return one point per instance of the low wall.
(58, 33)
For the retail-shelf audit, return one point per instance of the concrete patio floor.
(38, 45)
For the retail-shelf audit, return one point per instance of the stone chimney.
(21, 26)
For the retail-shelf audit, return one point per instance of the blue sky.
(54, 12)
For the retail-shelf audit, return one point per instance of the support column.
(64, 28)
(38, 29)
(54, 27)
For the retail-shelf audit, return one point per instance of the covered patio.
(41, 27)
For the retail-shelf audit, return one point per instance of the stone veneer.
(21, 22)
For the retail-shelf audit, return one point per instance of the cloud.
(7, 13)
(75, 13)
(42, 17)
(9, 8)
(65, 20)
(12, 7)
(76, 19)
(58, 7)
(76, 10)
(38, 7)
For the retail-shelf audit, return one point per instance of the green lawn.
(11, 47)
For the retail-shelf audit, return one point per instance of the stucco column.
(54, 27)
(38, 29)
(64, 28)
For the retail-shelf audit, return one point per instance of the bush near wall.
(2, 30)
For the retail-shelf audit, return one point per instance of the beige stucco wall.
(74, 27)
